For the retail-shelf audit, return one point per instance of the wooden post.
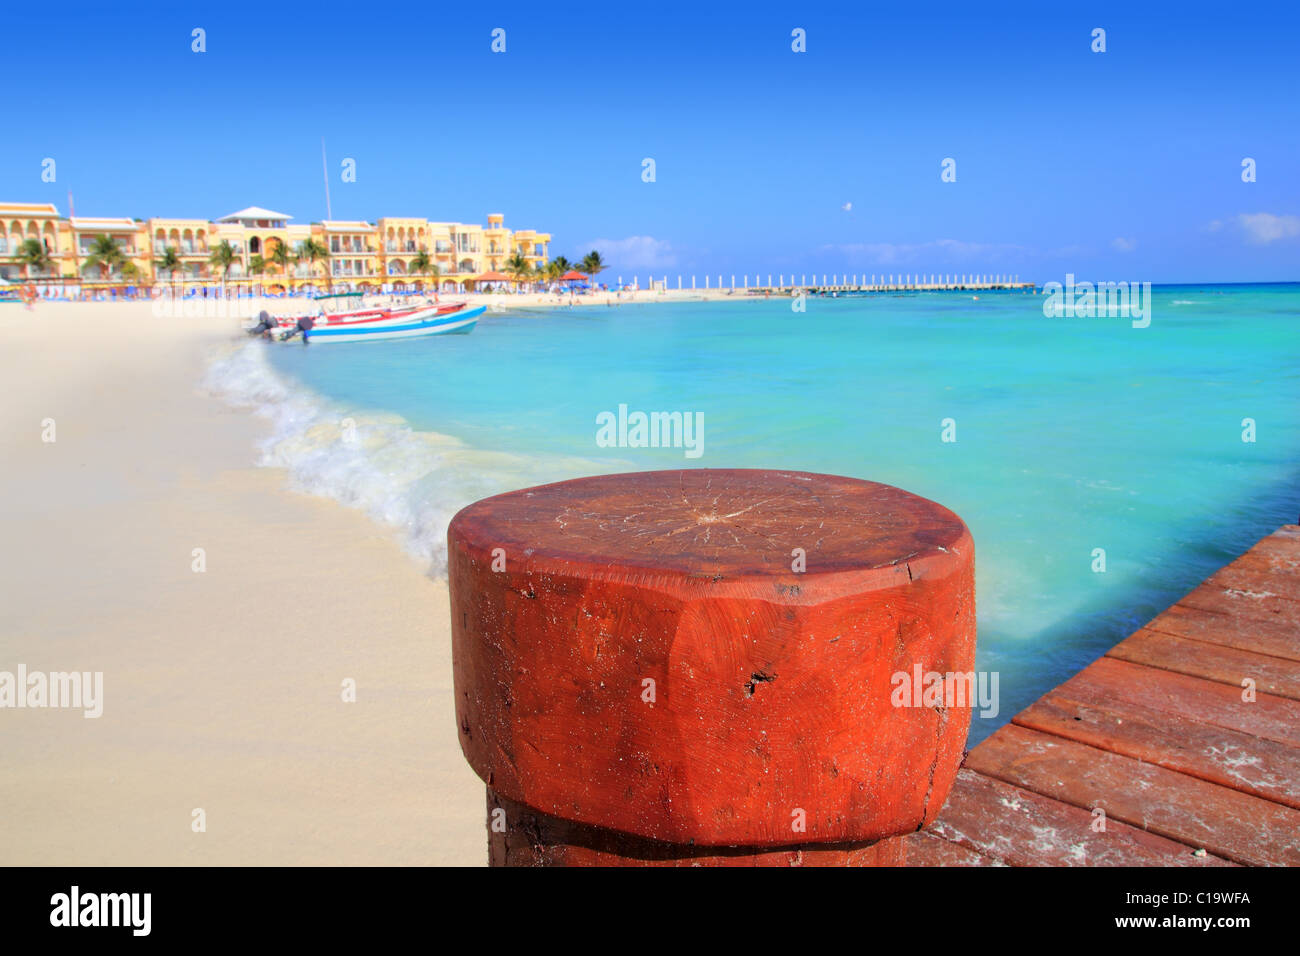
(707, 666)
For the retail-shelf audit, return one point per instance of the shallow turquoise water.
(1072, 434)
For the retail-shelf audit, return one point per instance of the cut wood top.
(729, 522)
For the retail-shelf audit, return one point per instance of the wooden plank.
(1023, 828)
(1227, 665)
(926, 849)
(1223, 821)
(1251, 578)
(1247, 603)
(1269, 717)
(1270, 559)
(1253, 765)
(1213, 627)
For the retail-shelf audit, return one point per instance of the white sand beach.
(222, 690)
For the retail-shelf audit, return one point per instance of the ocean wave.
(413, 481)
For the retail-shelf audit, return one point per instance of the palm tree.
(420, 263)
(310, 251)
(282, 257)
(562, 265)
(519, 267)
(33, 255)
(592, 265)
(224, 256)
(107, 254)
(170, 261)
(257, 265)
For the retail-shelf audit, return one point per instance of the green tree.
(281, 256)
(106, 253)
(420, 262)
(257, 265)
(593, 265)
(32, 255)
(223, 257)
(311, 252)
(519, 267)
(170, 262)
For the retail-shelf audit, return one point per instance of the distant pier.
(1179, 747)
(794, 284)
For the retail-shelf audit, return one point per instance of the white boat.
(335, 322)
(398, 324)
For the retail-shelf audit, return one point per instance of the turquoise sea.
(1072, 434)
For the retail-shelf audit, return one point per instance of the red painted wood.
(1217, 627)
(1260, 575)
(1273, 675)
(1181, 696)
(1234, 825)
(1252, 601)
(1250, 764)
(772, 688)
(1023, 828)
(926, 849)
(1157, 734)
(531, 838)
(1269, 557)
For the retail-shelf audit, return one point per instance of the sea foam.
(413, 481)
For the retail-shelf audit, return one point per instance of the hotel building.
(360, 254)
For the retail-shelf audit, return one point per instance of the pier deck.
(1159, 740)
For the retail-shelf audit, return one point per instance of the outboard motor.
(264, 324)
(305, 325)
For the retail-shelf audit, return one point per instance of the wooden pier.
(1183, 742)
(805, 283)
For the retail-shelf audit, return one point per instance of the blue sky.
(1117, 165)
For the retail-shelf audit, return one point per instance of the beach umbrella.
(573, 275)
(490, 277)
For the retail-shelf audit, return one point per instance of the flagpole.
(324, 167)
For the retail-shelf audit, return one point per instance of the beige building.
(356, 253)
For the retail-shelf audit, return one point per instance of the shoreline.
(221, 687)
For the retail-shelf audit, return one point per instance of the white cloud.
(847, 207)
(1262, 227)
(634, 252)
(1120, 244)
